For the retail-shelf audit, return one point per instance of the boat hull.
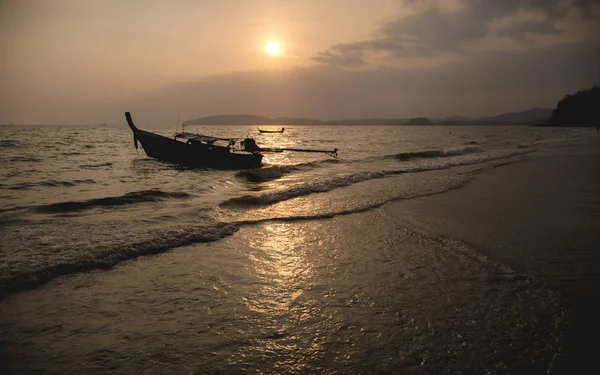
(270, 131)
(194, 155)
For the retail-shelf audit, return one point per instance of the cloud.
(433, 29)
(347, 59)
(519, 30)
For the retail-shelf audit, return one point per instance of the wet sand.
(541, 217)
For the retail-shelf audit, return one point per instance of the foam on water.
(328, 184)
(106, 256)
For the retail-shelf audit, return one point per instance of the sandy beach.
(542, 218)
(498, 275)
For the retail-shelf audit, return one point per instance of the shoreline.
(541, 218)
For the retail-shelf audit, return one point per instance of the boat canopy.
(198, 137)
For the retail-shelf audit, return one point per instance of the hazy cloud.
(376, 44)
(346, 59)
(519, 30)
(434, 29)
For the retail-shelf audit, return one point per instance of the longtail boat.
(195, 150)
(270, 131)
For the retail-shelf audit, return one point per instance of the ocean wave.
(249, 201)
(108, 257)
(93, 166)
(11, 209)
(48, 183)
(315, 187)
(266, 173)
(6, 143)
(129, 198)
(436, 153)
(274, 172)
(25, 159)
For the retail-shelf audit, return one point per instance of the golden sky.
(87, 61)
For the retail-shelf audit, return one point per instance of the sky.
(88, 61)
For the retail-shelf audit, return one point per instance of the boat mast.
(177, 123)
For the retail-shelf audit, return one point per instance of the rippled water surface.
(301, 266)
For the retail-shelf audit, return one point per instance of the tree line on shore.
(579, 109)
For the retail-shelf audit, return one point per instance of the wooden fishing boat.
(195, 150)
(271, 131)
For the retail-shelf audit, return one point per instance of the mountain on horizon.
(527, 117)
(252, 120)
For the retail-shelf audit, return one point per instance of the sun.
(273, 48)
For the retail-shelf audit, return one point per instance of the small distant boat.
(195, 150)
(271, 131)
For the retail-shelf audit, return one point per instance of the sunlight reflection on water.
(280, 259)
(283, 269)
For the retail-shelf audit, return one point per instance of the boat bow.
(133, 128)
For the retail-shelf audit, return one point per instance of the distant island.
(419, 121)
(529, 117)
(579, 109)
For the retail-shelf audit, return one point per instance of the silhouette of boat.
(271, 131)
(195, 150)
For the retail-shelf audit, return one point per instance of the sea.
(113, 262)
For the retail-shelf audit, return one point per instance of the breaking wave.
(49, 183)
(314, 187)
(277, 171)
(25, 159)
(93, 166)
(341, 181)
(437, 153)
(129, 198)
(266, 173)
(108, 257)
(99, 165)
